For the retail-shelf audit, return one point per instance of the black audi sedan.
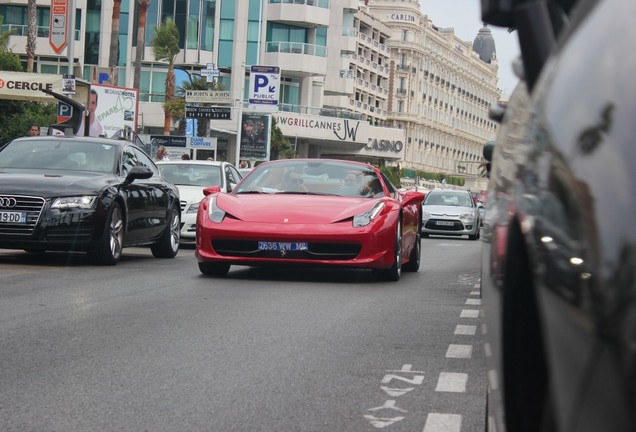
(94, 195)
(559, 253)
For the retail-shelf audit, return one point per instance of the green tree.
(165, 44)
(113, 55)
(31, 34)
(4, 37)
(16, 117)
(279, 145)
(141, 41)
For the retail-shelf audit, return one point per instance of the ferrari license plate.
(13, 217)
(446, 223)
(280, 246)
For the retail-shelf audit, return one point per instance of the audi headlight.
(194, 207)
(215, 214)
(467, 217)
(77, 202)
(364, 219)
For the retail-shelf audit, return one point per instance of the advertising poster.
(111, 109)
(255, 136)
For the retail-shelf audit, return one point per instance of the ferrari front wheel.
(213, 268)
(394, 272)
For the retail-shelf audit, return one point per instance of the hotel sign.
(208, 96)
(323, 128)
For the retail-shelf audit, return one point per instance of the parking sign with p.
(264, 88)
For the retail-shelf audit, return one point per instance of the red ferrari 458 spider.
(317, 212)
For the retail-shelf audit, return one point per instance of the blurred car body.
(313, 212)
(61, 193)
(450, 212)
(190, 177)
(559, 256)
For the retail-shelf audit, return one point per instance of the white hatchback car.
(190, 177)
(451, 213)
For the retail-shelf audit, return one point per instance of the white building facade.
(376, 82)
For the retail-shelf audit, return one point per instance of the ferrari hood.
(309, 209)
(49, 184)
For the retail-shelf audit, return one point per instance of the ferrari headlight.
(215, 214)
(76, 202)
(467, 217)
(194, 207)
(426, 216)
(364, 219)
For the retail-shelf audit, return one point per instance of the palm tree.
(113, 57)
(141, 41)
(200, 83)
(165, 44)
(31, 34)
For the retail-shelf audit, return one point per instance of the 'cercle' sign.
(58, 26)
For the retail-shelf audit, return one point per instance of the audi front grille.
(32, 206)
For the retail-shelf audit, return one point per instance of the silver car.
(450, 213)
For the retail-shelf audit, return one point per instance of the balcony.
(17, 40)
(297, 59)
(301, 13)
(341, 87)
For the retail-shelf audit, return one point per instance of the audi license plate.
(280, 246)
(13, 217)
(445, 223)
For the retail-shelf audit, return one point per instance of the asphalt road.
(152, 345)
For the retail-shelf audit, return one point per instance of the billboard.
(112, 109)
(255, 136)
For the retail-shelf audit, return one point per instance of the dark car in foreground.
(63, 193)
(559, 252)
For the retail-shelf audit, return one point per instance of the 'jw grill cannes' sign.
(323, 128)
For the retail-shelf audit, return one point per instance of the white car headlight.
(364, 219)
(81, 202)
(426, 216)
(467, 217)
(194, 207)
(215, 214)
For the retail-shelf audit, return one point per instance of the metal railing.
(319, 3)
(297, 48)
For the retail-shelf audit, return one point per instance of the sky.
(465, 17)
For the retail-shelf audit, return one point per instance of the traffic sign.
(208, 96)
(58, 25)
(205, 112)
(264, 88)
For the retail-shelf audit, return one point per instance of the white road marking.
(487, 349)
(396, 392)
(381, 422)
(492, 379)
(474, 293)
(459, 351)
(477, 286)
(469, 313)
(389, 404)
(438, 422)
(452, 382)
(468, 330)
(474, 302)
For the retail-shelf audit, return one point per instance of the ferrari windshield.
(314, 176)
(59, 154)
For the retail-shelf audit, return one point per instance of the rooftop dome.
(484, 45)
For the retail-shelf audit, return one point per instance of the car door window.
(128, 160)
(144, 160)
